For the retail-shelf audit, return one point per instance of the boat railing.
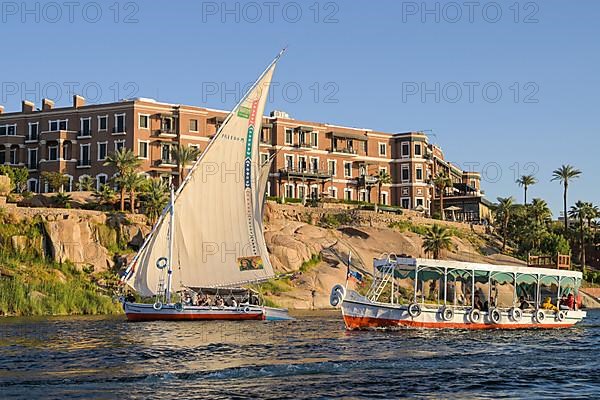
(382, 277)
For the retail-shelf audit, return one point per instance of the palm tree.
(580, 211)
(564, 175)
(540, 211)
(441, 182)
(437, 238)
(61, 200)
(86, 183)
(155, 198)
(105, 196)
(133, 182)
(503, 211)
(383, 178)
(184, 156)
(525, 181)
(124, 161)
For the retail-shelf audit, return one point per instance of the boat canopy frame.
(390, 264)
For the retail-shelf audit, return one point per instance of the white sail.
(265, 169)
(218, 232)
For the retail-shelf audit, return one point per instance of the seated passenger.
(232, 302)
(524, 305)
(477, 303)
(548, 305)
(562, 304)
(571, 301)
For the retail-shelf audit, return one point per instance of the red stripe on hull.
(369, 322)
(137, 317)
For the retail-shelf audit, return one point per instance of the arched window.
(32, 185)
(101, 180)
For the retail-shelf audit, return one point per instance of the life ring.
(162, 263)
(414, 310)
(474, 316)
(157, 306)
(338, 292)
(447, 314)
(539, 316)
(179, 307)
(560, 316)
(516, 314)
(247, 309)
(495, 315)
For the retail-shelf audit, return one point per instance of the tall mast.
(171, 228)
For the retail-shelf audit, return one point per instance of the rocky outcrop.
(85, 238)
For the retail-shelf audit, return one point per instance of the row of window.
(313, 165)
(405, 149)
(301, 191)
(85, 155)
(167, 123)
(85, 127)
(33, 183)
(311, 139)
(406, 175)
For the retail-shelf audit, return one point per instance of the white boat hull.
(361, 313)
(147, 312)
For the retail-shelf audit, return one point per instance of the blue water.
(311, 357)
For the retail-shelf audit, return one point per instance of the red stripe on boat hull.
(137, 317)
(369, 322)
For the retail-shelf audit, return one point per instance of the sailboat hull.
(137, 312)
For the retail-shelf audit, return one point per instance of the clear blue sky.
(370, 60)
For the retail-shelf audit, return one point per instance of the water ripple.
(106, 357)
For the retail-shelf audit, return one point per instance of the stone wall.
(298, 212)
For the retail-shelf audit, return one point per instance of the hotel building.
(311, 159)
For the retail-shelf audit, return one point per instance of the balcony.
(165, 132)
(367, 180)
(59, 135)
(12, 139)
(349, 151)
(303, 145)
(311, 173)
(165, 163)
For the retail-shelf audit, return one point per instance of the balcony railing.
(166, 132)
(344, 150)
(84, 163)
(303, 145)
(365, 180)
(306, 173)
(165, 163)
(118, 129)
(83, 134)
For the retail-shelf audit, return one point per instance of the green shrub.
(312, 262)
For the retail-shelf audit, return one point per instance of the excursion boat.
(213, 246)
(426, 293)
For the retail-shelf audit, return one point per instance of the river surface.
(311, 357)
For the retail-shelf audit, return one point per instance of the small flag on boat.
(355, 275)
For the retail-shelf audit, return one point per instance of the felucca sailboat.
(208, 243)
